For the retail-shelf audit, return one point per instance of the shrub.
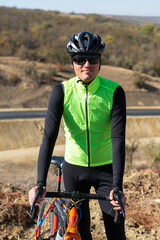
(47, 76)
(131, 147)
(13, 80)
(51, 72)
(39, 76)
(144, 67)
(25, 53)
(152, 151)
(29, 69)
(157, 69)
(46, 25)
(2, 78)
(22, 52)
(138, 80)
(31, 72)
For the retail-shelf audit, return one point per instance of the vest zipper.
(86, 101)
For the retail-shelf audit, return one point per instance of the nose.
(86, 63)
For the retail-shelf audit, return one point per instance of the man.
(94, 115)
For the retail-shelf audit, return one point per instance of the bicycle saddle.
(58, 161)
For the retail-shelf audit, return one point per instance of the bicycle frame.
(71, 231)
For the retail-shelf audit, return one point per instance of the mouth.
(87, 70)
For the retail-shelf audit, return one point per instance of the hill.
(27, 84)
(39, 35)
(136, 19)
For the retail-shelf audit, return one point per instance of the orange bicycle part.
(36, 234)
(55, 224)
(72, 232)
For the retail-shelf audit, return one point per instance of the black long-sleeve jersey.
(51, 129)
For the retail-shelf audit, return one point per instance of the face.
(86, 71)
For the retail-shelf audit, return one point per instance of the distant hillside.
(135, 19)
(27, 84)
(38, 35)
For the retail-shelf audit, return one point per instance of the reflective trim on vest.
(99, 106)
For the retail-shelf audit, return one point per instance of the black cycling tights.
(77, 178)
(113, 231)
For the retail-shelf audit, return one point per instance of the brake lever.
(38, 193)
(118, 198)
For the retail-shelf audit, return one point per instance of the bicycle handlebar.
(78, 195)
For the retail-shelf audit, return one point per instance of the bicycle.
(58, 218)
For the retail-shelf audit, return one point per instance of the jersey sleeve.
(51, 129)
(118, 125)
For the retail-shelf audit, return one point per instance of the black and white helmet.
(85, 43)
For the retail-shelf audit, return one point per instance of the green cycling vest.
(87, 121)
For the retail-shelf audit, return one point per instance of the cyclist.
(94, 115)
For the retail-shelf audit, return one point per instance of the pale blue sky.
(111, 7)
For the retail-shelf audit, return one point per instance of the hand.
(115, 203)
(32, 194)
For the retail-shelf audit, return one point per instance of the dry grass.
(139, 217)
(13, 65)
(14, 217)
(143, 215)
(31, 91)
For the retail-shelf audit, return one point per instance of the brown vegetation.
(40, 35)
(143, 209)
(29, 83)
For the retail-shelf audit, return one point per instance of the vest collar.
(92, 87)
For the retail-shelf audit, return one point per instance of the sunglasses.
(83, 60)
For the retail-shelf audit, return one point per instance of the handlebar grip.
(118, 198)
(38, 193)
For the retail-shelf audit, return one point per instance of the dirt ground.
(18, 175)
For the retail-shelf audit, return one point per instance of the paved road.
(29, 114)
(143, 112)
(23, 114)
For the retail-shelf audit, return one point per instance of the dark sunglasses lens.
(94, 60)
(82, 60)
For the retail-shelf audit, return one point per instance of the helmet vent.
(85, 44)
